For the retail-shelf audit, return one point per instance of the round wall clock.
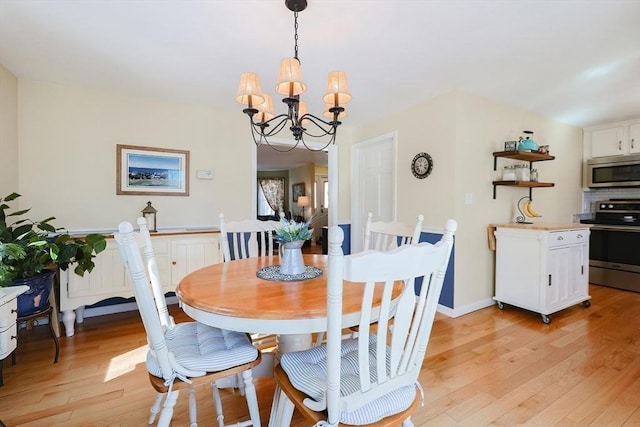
(421, 165)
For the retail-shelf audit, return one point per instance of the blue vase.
(37, 297)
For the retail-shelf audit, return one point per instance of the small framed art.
(151, 171)
(297, 190)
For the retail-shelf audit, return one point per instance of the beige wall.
(306, 174)
(8, 133)
(68, 138)
(482, 126)
(67, 168)
(461, 131)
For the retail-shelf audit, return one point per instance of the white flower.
(290, 231)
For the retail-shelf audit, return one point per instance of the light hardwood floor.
(489, 367)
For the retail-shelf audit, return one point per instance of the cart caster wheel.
(586, 303)
(546, 319)
(500, 305)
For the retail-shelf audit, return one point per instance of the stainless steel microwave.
(613, 171)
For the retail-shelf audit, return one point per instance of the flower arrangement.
(290, 231)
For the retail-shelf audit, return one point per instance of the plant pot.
(291, 261)
(37, 297)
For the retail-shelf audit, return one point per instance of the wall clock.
(421, 165)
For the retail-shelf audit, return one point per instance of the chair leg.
(167, 410)
(155, 408)
(218, 403)
(252, 398)
(407, 423)
(55, 338)
(193, 410)
(274, 406)
(281, 410)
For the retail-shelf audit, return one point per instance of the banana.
(529, 211)
(525, 209)
(536, 214)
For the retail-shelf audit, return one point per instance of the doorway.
(267, 159)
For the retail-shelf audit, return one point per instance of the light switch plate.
(204, 174)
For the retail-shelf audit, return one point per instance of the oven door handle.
(632, 229)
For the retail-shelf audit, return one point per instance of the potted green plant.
(28, 248)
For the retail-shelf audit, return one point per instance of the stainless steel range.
(614, 245)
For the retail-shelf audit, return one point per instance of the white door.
(373, 184)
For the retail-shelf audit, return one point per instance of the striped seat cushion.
(307, 371)
(205, 348)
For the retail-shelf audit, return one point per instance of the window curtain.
(273, 189)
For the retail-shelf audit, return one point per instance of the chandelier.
(265, 124)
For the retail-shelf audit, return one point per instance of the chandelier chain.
(295, 37)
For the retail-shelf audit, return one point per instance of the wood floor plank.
(490, 367)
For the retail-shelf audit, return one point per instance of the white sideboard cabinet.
(8, 319)
(177, 254)
(542, 268)
(620, 138)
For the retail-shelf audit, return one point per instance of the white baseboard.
(119, 308)
(466, 309)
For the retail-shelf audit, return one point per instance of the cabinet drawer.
(568, 237)
(8, 340)
(8, 313)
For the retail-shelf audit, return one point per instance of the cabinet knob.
(13, 310)
(173, 262)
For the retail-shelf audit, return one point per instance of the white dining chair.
(374, 377)
(384, 236)
(184, 353)
(249, 239)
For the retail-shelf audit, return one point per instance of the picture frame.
(151, 171)
(297, 190)
(510, 145)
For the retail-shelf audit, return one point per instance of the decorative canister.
(534, 175)
(509, 173)
(522, 173)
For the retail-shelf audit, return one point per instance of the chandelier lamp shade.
(264, 123)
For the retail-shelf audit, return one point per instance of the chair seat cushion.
(307, 371)
(205, 348)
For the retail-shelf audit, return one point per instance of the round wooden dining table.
(230, 296)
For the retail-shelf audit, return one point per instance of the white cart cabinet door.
(190, 254)
(567, 279)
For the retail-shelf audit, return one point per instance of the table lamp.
(303, 202)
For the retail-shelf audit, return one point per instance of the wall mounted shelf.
(526, 156)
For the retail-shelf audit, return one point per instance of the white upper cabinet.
(634, 138)
(614, 139)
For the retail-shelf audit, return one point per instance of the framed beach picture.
(298, 190)
(148, 170)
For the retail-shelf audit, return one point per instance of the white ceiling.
(574, 61)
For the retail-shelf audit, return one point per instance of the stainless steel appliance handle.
(631, 229)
